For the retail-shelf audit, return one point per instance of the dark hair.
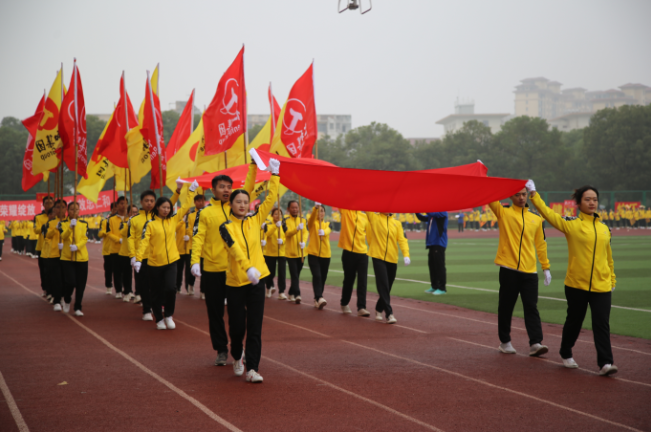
(112, 205)
(275, 209)
(159, 202)
(577, 196)
(122, 198)
(133, 206)
(236, 192)
(221, 177)
(289, 204)
(47, 197)
(60, 201)
(71, 203)
(199, 197)
(147, 193)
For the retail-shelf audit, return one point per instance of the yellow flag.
(47, 139)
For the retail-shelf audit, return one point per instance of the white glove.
(316, 203)
(196, 270)
(274, 166)
(280, 241)
(194, 186)
(613, 288)
(264, 224)
(407, 261)
(321, 233)
(137, 266)
(179, 183)
(302, 244)
(263, 242)
(73, 248)
(133, 261)
(300, 226)
(186, 238)
(60, 246)
(254, 275)
(120, 241)
(278, 224)
(73, 222)
(548, 277)
(530, 185)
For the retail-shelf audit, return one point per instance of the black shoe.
(221, 359)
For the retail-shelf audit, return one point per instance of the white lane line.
(142, 367)
(327, 383)
(468, 378)
(13, 408)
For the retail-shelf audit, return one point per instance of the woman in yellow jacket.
(74, 258)
(590, 278)
(52, 253)
(245, 276)
(183, 245)
(159, 239)
(318, 252)
(3, 230)
(274, 253)
(387, 235)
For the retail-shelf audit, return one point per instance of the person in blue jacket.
(460, 221)
(436, 243)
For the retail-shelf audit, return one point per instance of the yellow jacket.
(353, 231)
(521, 236)
(3, 230)
(590, 259)
(26, 229)
(336, 217)
(192, 218)
(181, 230)
(52, 237)
(271, 234)
(81, 238)
(137, 224)
(242, 241)
(294, 236)
(32, 235)
(113, 235)
(206, 239)
(387, 235)
(124, 236)
(106, 243)
(39, 220)
(320, 245)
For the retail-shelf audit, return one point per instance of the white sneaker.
(160, 325)
(537, 350)
(378, 316)
(282, 296)
(346, 309)
(391, 319)
(321, 303)
(51, 300)
(127, 298)
(202, 296)
(268, 293)
(570, 363)
(253, 377)
(109, 291)
(608, 369)
(79, 313)
(118, 296)
(298, 299)
(225, 302)
(190, 290)
(66, 307)
(147, 317)
(44, 294)
(137, 299)
(170, 323)
(238, 366)
(507, 348)
(33, 257)
(363, 313)
(57, 307)
(291, 298)
(273, 290)
(49, 297)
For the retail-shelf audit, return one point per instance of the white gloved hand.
(530, 185)
(253, 275)
(194, 186)
(196, 270)
(548, 277)
(60, 246)
(274, 166)
(316, 203)
(73, 222)
(137, 266)
(264, 224)
(300, 226)
(279, 224)
(302, 245)
(133, 261)
(407, 261)
(73, 248)
(186, 238)
(280, 241)
(263, 243)
(179, 183)
(613, 288)
(120, 241)
(321, 233)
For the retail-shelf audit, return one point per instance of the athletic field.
(473, 280)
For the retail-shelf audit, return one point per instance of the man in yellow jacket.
(352, 239)
(3, 230)
(297, 235)
(74, 258)
(521, 237)
(39, 220)
(106, 253)
(113, 226)
(52, 247)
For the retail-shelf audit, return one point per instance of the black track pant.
(189, 277)
(436, 264)
(245, 313)
(126, 273)
(2, 243)
(213, 285)
(355, 266)
(116, 272)
(53, 277)
(163, 291)
(577, 306)
(271, 264)
(142, 287)
(512, 285)
(385, 275)
(295, 266)
(108, 271)
(180, 266)
(75, 275)
(319, 268)
(41, 271)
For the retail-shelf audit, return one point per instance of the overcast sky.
(404, 63)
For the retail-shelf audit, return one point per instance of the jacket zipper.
(594, 251)
(387, 249)
(320, 241)
(352, 246)
(162, 222)
(245, 242)
(521, 235)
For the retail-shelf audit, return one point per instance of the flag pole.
(126, 117)
(74, 134)
(153, 112)
(62, 150)
(226, 160)
(300, 218)
(273, 127)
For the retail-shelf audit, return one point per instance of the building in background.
(465, 111)
(327, 124)
(413, 141)
(179, 106)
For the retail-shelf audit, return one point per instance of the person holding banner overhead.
(297, 236)
(274, 253)
(74, 258)
(318, 253)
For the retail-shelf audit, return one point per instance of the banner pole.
(62, 150)
(153, 112)
(74, 134)
(300, 216)
(126, 118)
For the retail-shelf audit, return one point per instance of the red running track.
(437, 369)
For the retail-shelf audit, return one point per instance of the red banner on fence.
(569, 208)
(26, 210)
(633, 205)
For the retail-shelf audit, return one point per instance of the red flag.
(225, 118)
(275, 110)
(299, 128)
(183, 129)
(152, 132)
(72, 123)
(114, 144)
(31, 124)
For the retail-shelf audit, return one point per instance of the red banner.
(569, 208)
(557, 207)
(26, 210)
(633, 205)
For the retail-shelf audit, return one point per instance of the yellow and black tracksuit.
(318, 252)
(126, 271)
(184, 253)
(293, 251)
(114, 225)
(52, 259)
(522, 236)
(106, 255)
(387, 236)
(74, 265)
(32, 238)
(3, 230)
(189, 277)
(274, 253)
(590, 278)
(352, 239)
(245, 300)
(135, 235)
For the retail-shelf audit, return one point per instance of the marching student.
(183, 246)
(52, 253)
(210, 257)
(522, 236)
(32, 239)
(590, 278)
(274, 253)
(387, 236)
(318, 253)
(245, 276)
(106, 251)
(124, 259)
(3, 230)
(354, 259)
(296, 236)
(158, 238)
(199, 203)
(113, 226)
(436, 244)
(74, 258)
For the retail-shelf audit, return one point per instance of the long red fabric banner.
(391, 191)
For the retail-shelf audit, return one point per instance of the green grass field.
(470, 265)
